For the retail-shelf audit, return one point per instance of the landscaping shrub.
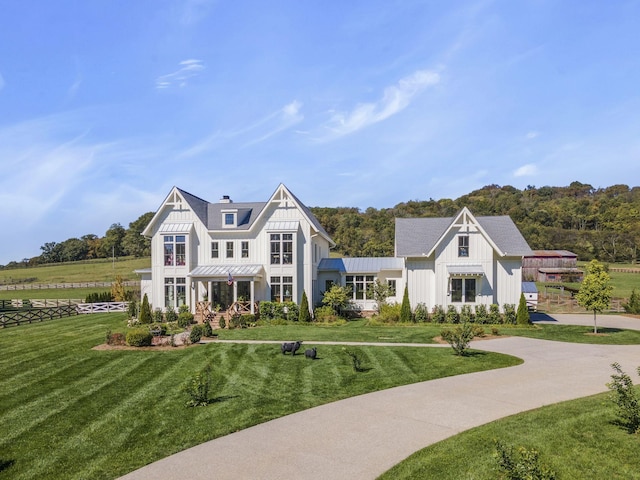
(185, 319)
(459, 337)
(284, 310)
(482, 315)
(159, 327)
(207, 331)
(325, 314)
(99, 297)
(495, 317)
(116, 338)
(222, 322)
(634, 303)
(452, 315)
(521, 465)
(305, 314)
(196, 334)
(522, 315)
(139, 337)
(389, 313)
(438, 315)
(626, 398)
(171, 315)
(198, 388)
(145, 310)
(509, 313)
(132, 309)
(157, 316)
(405, 309)
(421, 313)
(466, 315)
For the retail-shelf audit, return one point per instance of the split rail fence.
(50, 286)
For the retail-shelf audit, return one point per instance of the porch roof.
(223, 271)
(465, 269)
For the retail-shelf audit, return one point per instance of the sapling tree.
(379, 291)
(595, 291)
(626, 398)
(337, 298)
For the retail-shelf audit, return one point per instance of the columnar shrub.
(626, 398)
(421, 313)
(452, 315)
(132, 308)
(438, 314)
(522, 315)
(139, 337)
(145, 310)
(304, 315)
(482, 315)
(207, 331)
(222, 322)
(405, 309)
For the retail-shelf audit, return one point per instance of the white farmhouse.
(238, 254)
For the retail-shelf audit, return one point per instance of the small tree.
(634, 303)
(337, 298)
(118, 292)
(459, 337)
(626, 398)
(304, 315)
(145, 310)
(595, 291)
(379, 291)
(405, 310)
(522, 315)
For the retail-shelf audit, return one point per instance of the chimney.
(226, 199)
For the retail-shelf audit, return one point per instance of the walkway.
(362, 437)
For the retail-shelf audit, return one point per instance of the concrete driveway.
(363, 436)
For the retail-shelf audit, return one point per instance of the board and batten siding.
(420, 282)
(508, 280)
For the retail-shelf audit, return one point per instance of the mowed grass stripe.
(65, 396)
(96, 443)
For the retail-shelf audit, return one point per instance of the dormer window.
(463, 246)
(229, 219)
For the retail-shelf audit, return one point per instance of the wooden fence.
(50, 286)
(30, 315)
(563, 303)
(102, 307)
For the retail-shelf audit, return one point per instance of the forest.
(601, 223)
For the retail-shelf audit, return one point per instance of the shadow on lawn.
(222, 398)
(5, 464)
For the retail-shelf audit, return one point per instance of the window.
(229, 219)
(229, 249)
(392, 287)
(328, 284)
(463, 289)
(245, 249)
(281, 248)
(175, 250)
(463, 246)
(175, 292)
(281, 289)
(215, 250)
(359, 286)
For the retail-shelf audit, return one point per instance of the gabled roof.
(197, 205)
(247, 214)
(420, 236)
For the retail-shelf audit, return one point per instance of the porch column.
(252, 296)
(235, 292)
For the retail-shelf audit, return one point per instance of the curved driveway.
(362, 437)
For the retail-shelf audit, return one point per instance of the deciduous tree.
(595, 291)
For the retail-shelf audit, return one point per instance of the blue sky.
(106, 104)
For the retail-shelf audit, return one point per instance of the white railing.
(44, 303)
(50, 286)
(102, 307)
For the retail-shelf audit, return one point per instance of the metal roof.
(529, 287)
(465, 269)
(361, 264)
(283, 225)
(175, 227)
(223, 271)
(553, 253)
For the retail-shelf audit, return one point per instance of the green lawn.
(578, 440)
(67, 411)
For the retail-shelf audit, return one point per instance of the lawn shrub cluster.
(480, 314)
(325, 314)
(116, 338)
(242, 321)
(279, 310)
(139, 337)
(521, 464)
(99, 297)
(185, 319)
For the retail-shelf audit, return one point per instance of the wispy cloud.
(188, 69)
(527, 170)
(532, 134)
(259, 131)
(394, 99)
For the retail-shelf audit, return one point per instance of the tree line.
(594, 223)
(116, 242)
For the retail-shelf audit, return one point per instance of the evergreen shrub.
(139, 337)
(196, 334)
(421, 313)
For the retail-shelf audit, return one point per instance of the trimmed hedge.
(139, 337)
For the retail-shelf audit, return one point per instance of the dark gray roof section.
(198, 205)
(417, 236)
(529, 287)
(247, 213)
(360, 264)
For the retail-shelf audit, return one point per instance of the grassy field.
(578, 440)
(68, 411)
(101, 270)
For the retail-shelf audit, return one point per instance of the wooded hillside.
(601, 223)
